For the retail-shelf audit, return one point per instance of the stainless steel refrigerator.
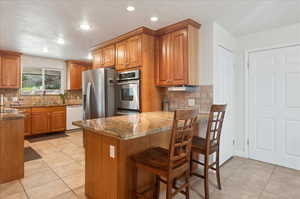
(98, 93)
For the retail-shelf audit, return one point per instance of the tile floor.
(60, 175)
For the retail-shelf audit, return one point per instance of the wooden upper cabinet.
(178, 55)
(164, 73)
(74, 74)
(97, 58)
(129, 53)
(134, 51)
(10, 71)
(108, 56)
(179, 64)
(121, 57)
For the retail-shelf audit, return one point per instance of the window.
(36, 81)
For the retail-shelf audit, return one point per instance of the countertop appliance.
(128, 92)
(98, 93)
(74, 113)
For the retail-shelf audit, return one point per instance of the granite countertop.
(10, 114)
(132, 126)
(41, 105)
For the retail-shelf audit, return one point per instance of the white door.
(274, 106)
(224, 95)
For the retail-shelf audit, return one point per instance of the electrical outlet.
(112, 151)
(191, 102)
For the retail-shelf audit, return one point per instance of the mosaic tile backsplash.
(203, 96)
(74, 97)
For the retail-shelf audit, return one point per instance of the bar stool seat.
(153, 158)
(199, 145)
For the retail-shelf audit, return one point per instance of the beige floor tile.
(234, 195)
(67, 148)
(20, 195)
(67, 195)
(80, 192)
(68, 170)
(58, 159)
(75, 181)
(284, 188)
(10, 188)
(39, 178)
(49, 190)
(34, 166)
(266, 195)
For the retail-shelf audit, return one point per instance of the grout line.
(263, 190)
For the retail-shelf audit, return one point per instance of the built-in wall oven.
(128, 92)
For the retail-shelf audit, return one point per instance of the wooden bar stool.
(209, 145)
(169, 164)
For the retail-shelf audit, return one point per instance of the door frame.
(246, 66)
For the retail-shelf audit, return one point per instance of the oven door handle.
(128, 82)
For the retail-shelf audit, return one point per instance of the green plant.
(63, 97)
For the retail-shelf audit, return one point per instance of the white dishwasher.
(74, 113)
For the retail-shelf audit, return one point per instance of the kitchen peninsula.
(11, 145)
(111, 142)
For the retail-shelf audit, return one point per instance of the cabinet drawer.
(58, 108)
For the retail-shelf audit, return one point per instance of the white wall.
(268, 39)
(42, 62)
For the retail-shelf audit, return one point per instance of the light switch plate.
(112, 152)
(191, 102)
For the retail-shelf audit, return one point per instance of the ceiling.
(28, 26)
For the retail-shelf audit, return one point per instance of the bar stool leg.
(169, 189)
(157, 188)
(191, 164)
(134, 183)
(187, 176)
(206, 188)
(218, 169)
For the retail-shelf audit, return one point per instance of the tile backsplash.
(74, 97)
(203, 97)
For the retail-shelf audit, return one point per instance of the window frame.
(47, 91)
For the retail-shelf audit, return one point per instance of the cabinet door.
(27, 121)
(97, 59)
(10, 71)
(108, 56)
(57, 120)
(179, 64)
(39, 122)
(75, 76)
(164, 76)
(121, 55)
(134, 51)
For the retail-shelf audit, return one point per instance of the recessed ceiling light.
(85, 26)
(130, 8)
(154, 19)
(45, 50)
(90, 56)
(60, 41)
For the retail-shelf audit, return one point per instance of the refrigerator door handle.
(88, 100)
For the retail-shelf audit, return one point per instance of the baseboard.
(242, 154)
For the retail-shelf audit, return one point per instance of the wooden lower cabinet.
(11, 150)
(58, 119)
(109, 168)
(41, 120)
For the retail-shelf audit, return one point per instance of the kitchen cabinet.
(48, 119)
(9, 69)
(129, 53)
(178, 56)
(121, 60)
(74, 73)
(27, 120)
(104, 57)
(39, 120)
(108, 56)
